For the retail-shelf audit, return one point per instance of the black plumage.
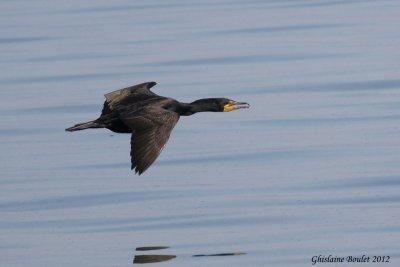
(150, 119)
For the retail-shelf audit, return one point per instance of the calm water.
(312, 168)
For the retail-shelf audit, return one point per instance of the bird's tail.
(85, 125)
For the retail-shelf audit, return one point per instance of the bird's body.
(150, 119)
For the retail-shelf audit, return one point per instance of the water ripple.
(243, 59)
(18, 40)
(276, 29)
(80, 201)
(328, 87)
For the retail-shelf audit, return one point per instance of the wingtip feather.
(151, 84)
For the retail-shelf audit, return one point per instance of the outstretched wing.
(151, 130)
(127, 95)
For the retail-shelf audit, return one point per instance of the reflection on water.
(220, 254)
(152, 258)
(150, 248)
(160, 258)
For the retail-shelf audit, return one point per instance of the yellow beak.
(235, 105)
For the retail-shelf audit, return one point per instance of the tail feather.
(85, 125)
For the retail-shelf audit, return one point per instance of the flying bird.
(150, 119)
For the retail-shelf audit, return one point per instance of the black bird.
(150, 119)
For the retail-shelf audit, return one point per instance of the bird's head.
(217, 105)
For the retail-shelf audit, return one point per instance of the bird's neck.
(201, 105)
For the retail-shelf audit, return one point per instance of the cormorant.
(150, 119)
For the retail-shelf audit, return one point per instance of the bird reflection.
(159, 258)
(152, 258)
